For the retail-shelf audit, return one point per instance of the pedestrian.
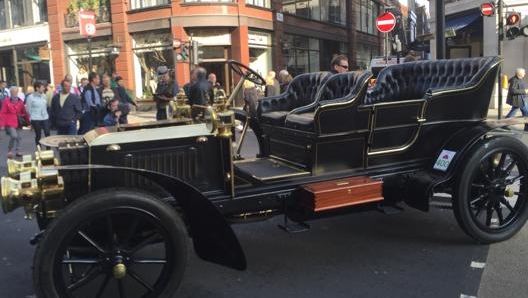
(284, 79)
(68, 77)
(4, 91)
(112, 118)
(516, 95)
(106, 91)
(272, 85)
(15, 117)
(66, 109)
(166, 91)
(124, 100)
(215, 88)
(84, 82)
(91, 104)
(199, 92)
(37, 108)
(339, 64)
(193, 80)
(250, 97)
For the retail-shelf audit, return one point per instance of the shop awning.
(462, 21)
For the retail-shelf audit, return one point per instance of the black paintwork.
(395, 130)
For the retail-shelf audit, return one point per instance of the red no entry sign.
(487, 9)
(386, 22)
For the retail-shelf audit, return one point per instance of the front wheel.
(491, 197)
(115, 243)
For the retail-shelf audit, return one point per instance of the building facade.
(469, 34)
(134, 37)
(24, 42)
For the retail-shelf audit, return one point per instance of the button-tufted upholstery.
(418, 80)
(301, 91)
(338, 91)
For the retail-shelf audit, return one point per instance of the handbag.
(21, 121)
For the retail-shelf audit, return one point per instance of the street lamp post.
(89, 54)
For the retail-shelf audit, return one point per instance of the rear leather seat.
(301, 92)
(420, 79)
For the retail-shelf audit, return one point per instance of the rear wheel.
(491, 199)
(115, 244)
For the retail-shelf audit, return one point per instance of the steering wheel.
(246, 72)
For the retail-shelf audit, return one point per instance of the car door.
(394, 125)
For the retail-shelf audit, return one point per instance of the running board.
(334, 194)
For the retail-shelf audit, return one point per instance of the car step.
(340, 193)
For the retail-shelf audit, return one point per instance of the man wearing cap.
(165, 92)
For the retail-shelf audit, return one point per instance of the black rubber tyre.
(491, 197)
(112, 244)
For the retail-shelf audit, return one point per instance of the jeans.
(524, 112)
(87, 123)
(14, 138)
(68, 130)
(39, 126)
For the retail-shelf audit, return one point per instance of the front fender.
(213, 238)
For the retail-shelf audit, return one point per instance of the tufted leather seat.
(420, 79)
(338, 90)
(301, 91)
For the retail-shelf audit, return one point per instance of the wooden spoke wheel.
(491, 200)
(115, 244)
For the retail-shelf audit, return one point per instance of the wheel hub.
(119, 269)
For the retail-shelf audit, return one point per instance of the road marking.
(478, 265)
(466, 296)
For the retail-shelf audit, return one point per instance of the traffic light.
(196, 53)
(512, 21)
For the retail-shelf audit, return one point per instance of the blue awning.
(459, 22)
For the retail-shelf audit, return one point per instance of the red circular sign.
(386, 22)
(487, 9)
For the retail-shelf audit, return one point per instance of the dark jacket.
(516, 92)
(70, 112)
(168, 89)
(199, 92)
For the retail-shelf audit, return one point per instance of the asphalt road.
(410, 254)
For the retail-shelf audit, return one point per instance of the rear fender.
(416, 189)
(213, 238)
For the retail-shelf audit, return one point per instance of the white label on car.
(443, 160)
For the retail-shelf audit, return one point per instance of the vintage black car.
(117, 206)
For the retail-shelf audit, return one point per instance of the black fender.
(213, 238)
(417, 188)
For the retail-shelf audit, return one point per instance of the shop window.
(3, 15)
(331, 11)
(367, 14)
(300, 53)
(138, 4)
(151, 49)
(261, 3)
(17, 13)
(207, 1)
(42, 11)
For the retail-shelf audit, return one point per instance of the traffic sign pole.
(89, 54)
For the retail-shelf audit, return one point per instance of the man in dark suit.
(199, 91)
(66, 110)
